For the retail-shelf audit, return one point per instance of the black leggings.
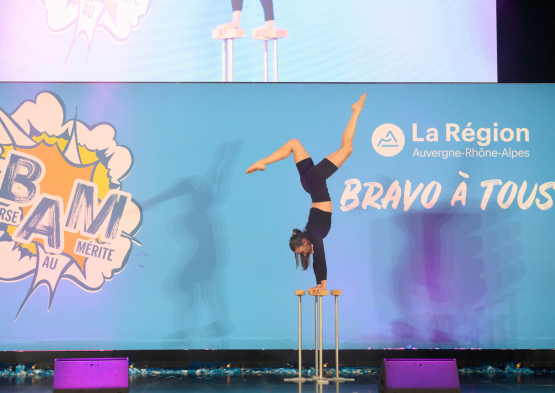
(267, 5)
(313, 178)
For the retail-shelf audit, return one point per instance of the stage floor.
(274, 383)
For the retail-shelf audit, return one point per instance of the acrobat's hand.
(257, 166)
(259, 32)
(318, 288)
(315, 290)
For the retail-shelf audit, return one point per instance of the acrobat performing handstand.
(313, 179)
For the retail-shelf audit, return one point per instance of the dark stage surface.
(274, 383)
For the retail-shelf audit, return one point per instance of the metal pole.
(336, 343)
(321, 351)
(224, 61)
(337, 378)
(275, 59)
(300, 339)
(300, 377)
(265, 60)
(316, 336)
(231, 60)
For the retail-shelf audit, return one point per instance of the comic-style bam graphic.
(63, 213)
(117, 17)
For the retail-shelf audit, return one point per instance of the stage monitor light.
(109, 375)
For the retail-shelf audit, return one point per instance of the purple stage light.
(109, 375)
(430, 375)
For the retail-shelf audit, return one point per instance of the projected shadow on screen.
(196, 284)
(454, 282)
(440, 259)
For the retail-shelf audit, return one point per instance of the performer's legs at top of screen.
(268, 7)
(269, 23)
(237, 7)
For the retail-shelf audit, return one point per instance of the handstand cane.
(337, 378)
(300, 378)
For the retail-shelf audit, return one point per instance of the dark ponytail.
(295, 241)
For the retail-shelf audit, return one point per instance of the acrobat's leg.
(292, 146)
(298, 150)
(340, 156)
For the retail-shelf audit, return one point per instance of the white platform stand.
(318, 352)
(271, 35)
(227, 50)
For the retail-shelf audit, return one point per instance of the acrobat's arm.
(319, 265)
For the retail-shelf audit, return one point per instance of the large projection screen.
(171, 41)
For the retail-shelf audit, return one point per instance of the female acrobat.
(313, 179)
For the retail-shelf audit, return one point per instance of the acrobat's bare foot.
(259, 32)
(257, 166)
(357, 106)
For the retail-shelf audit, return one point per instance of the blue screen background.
(215, 270)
